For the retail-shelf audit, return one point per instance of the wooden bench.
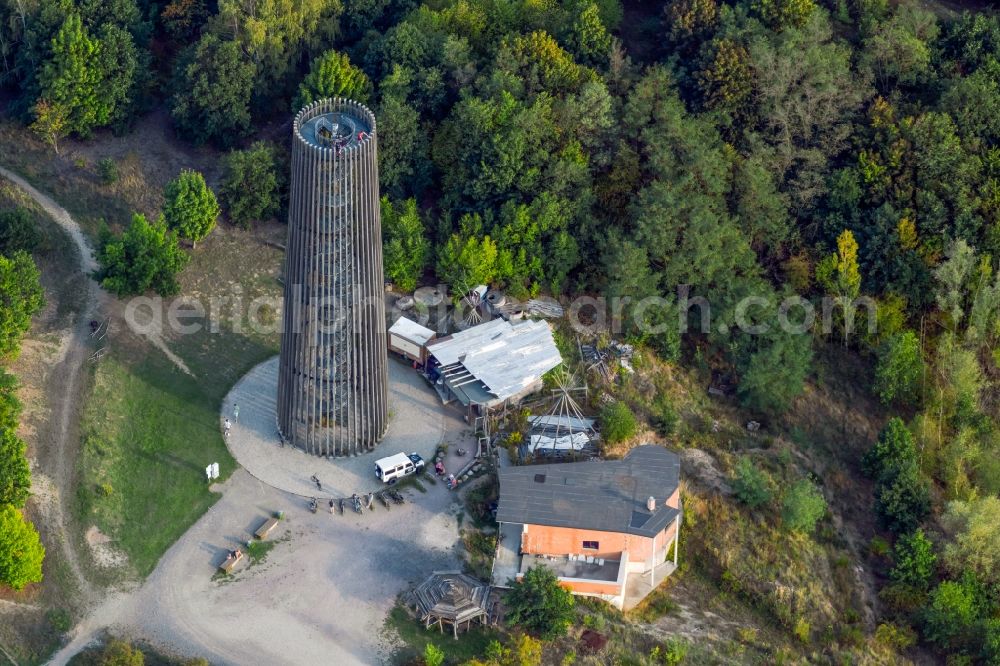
(227, 566)
(266, 528)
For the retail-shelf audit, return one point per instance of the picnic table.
(266, 528)
(231, 560)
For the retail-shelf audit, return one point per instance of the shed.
(409, 339)
(451, 597)
(495, 361)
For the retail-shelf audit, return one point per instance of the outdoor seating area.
(582, 567)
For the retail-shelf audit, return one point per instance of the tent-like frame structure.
(451, 597)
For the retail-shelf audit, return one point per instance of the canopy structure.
(495, 361)
(564, 429)
(451, 597)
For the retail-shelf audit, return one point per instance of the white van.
(395, 467)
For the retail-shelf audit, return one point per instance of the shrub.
(896, 637)
(191, 207)
(21, 551)
(145, 257)
(899, 369)
(617, 422)
(107, 169)
(751, 485)
(527, 651)
(332, 75)
(59, 619)
(405, 247)
(10, 406)
(15, 475)
(803, 506)
(22, 297)
(121, 653)
(879, 547)
(539, 604)
(18, 231)
(433, 655)
(951, 612)
(252, 186)
(802, 630)
(670, 653)
(903, 500)
(914, 560)
(664, 415)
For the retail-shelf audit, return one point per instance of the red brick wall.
(546, 540)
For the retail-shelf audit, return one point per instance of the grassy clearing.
(146, 158)
(150, 429)
(148, 436)
(415, 638)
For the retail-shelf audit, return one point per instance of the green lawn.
(148, 435)
(149, 429)
(469, 645)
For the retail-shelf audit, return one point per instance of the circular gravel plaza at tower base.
(417, 423)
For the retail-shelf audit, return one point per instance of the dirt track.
(320, 596)
(54, 465)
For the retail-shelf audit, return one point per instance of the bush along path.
(58, 459)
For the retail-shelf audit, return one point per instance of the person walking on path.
(227, 425)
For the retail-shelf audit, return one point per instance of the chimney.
(651, 504)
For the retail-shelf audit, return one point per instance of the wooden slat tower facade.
(333, 377)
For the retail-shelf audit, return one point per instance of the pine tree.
(71, 80)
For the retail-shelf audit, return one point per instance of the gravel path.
(321, 595)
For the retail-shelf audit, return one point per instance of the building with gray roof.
(598, 524)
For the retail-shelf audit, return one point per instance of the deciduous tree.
(21, 551)
(332, 75)
(190, 207)
(211, 92)
(15, 475)
(974, 528)
(913, 560)
(50, 123)
(539, 604)
(22, 297)
(900, 368)
(405, 248)
(252, 185)
(70, 80)
(146, 257)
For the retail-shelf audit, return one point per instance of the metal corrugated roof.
(608, 496)
(411, 330)
(507, 358)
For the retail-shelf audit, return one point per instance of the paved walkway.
(417, 424)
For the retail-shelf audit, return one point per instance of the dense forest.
(764, 148)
